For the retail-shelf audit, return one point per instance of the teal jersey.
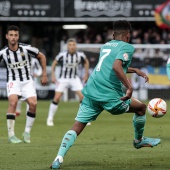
(103, 84)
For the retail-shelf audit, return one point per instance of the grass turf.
(105, 145)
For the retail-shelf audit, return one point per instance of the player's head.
(121, 30)
(72, 45)
(12, 34)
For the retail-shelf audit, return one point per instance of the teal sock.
(139, 123)
(67, 142)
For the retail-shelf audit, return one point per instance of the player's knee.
(56, 99)
(32, 104)
(13, 104)
(143, 109)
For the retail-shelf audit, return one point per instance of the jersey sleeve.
(59, 57)
(126, 53)
(83, 57)
(33, 51)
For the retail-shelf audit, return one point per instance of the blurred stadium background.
(47, 24)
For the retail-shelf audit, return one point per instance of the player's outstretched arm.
(138, 72)
(117, 67)
(53, 76)
(42, 59)
(86, 66)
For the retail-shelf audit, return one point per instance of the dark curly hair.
(12, 28)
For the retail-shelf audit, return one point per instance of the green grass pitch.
(105, 145)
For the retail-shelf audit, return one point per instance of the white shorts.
(24, 89)
(73, 83)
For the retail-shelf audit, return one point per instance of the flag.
(162, 15)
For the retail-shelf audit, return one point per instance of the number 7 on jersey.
(107, 52)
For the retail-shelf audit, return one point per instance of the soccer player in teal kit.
(104, 92)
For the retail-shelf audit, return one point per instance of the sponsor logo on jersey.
(17, 65)
(125, 56)
(71, 65)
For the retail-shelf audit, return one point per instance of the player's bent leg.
(12, 99)
(68, 140)
(88, 111)
(53, 108)
(31, 114)
(32, 102)
(137, 107)
(139, 120)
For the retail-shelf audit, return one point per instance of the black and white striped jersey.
(18, 63)
(69, 63)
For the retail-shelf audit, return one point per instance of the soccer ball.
(157, 107)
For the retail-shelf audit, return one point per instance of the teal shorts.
(90, 109)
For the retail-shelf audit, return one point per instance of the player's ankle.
(60, 158)
(137, 140)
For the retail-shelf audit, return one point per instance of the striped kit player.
(18, 63)
(69, 61)
(17, 59)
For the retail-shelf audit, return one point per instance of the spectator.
(98, 39)
(146, 38)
